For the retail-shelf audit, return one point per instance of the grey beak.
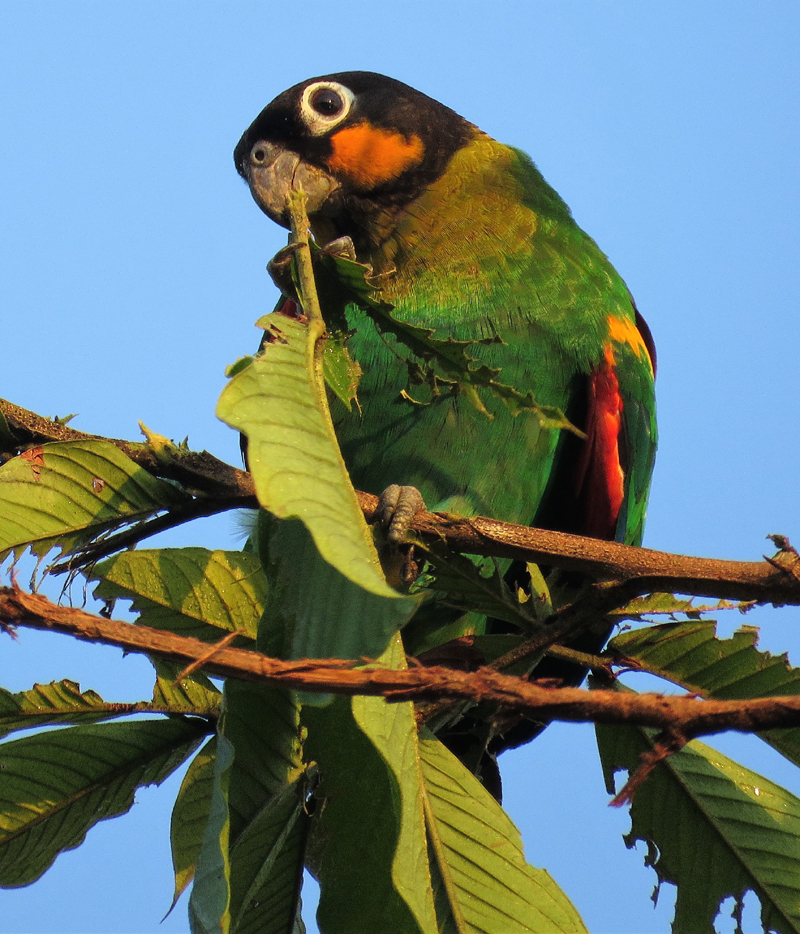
(272, 172)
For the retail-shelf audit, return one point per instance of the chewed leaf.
(341, 372)
(667, 604)
(448, 359)
(690, 654)
(548, 416)
(717, 830)
(464, 587)
(66, 492)
(59, 702)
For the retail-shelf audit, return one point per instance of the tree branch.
(623, 571)
(201, 472)
(687, 716)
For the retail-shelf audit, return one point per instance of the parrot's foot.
(280, 266)
(280, 270)
(397, 506)
(343, 247)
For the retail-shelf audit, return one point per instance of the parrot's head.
(357, 142)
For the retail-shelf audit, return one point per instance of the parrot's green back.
(490, 250)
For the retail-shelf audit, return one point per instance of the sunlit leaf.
(690, 654)
(66, 492)
(667, 604)
(59, 702)
(279, 403)
(195, 694)
(486, 883)
(191, 591)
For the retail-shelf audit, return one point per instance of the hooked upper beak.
(272, 172)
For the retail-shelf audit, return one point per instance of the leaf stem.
(298, 219)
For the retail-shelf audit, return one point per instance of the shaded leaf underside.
(56, 785)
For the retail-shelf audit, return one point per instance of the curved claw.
(397, 506)
(280, 266)
(342, 246)
(280, 270)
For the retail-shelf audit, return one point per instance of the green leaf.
(62, 702)
(59, 702)
(279, 403)
(67, 492)
(458, 368)
(56, 785)
(464, 587)
(196, 694)
(691, 655)
(268, 823)
(252, 852)
(331, 618)
(190, 591)
(209, 903)
(341, 372)
(667, 604)
(485, 881)
(190, 816)
(713, 828)
(367, 845)
(267, 865)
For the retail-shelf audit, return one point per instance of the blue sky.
(132, 270)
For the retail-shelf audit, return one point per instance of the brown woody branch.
(201, 472)
(622, 571)
(686, 716)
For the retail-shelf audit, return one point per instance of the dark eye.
(327, 102)
(324, 105)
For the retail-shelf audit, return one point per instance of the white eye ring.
(319, 123)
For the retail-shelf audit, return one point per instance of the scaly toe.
(397, 506)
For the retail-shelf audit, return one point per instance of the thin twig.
(198, 508)
(198, 663)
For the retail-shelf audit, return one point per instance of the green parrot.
(465, 236)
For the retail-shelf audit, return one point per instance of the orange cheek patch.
(624, 331)
(369, 156)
